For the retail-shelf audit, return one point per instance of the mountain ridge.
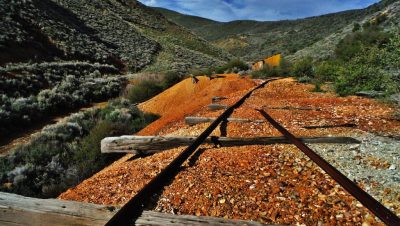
(253, 40)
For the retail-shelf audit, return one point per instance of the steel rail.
(128, 214)
(367, 200)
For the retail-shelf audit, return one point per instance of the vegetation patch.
(233, 66)
(63, 155)
(49, 89)
(283, 70)
(366, 60)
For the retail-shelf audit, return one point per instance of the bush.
(374, 68)
(88, 157)
(356, 27)
(303, 67)
(352, 44)
(304, 79)
(203, 72)
(170, 79)
(361, 77)
(327, 71)
(143, 91)
(235, 64)
(266, 72)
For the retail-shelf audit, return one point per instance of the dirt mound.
(185, 98)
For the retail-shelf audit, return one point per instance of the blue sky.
(263, 10)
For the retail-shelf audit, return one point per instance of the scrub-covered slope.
(254, 40)
(96, 31)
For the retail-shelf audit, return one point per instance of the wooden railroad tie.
(154, 144)
(348, 125)
(20, 210)
(218, 99)
(197, 120)
(215, 107)
(293, 108)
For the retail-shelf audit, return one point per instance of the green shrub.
(374, 68)
(203, 72)
(143, 91)
(170, 79)
(284, 68)
(304, 79)
(362, 77)
(88, 157)
(317, 87)
(236, 63)
(352, 44)
(303, 67)
(327, 71)
(266, 72)
(233, 66)
(356, 27)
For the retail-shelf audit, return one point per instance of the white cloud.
(150, 2)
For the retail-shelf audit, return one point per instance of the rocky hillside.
(59, 55)
(255, 40)
(116, 32)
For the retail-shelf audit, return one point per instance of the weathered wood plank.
(154, 144)
(198, 120)
(218, 99)
(293, 108)
(20, 210)
(215, 107)
(350, 125)
(155, 218)
(16, 210)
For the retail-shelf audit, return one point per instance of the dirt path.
(7, 144)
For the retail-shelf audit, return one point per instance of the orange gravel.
(271, 184)
(186, 98)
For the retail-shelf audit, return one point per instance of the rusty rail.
(367, 200)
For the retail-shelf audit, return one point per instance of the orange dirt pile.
(274, 184)
(185, 98)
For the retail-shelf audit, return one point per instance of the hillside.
(59, 55)
(109, 32)
(254, 40)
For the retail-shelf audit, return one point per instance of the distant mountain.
(254, 40)
(123, 33)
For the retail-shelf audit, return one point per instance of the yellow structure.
(273, 61)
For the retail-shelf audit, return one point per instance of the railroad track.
(128, 214)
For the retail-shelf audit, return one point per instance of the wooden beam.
(16, 210)
(293, 108)
(330, 126)
(218, 99)
(154, 144)
(20, 210)
(215, 107)
(198, 120)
